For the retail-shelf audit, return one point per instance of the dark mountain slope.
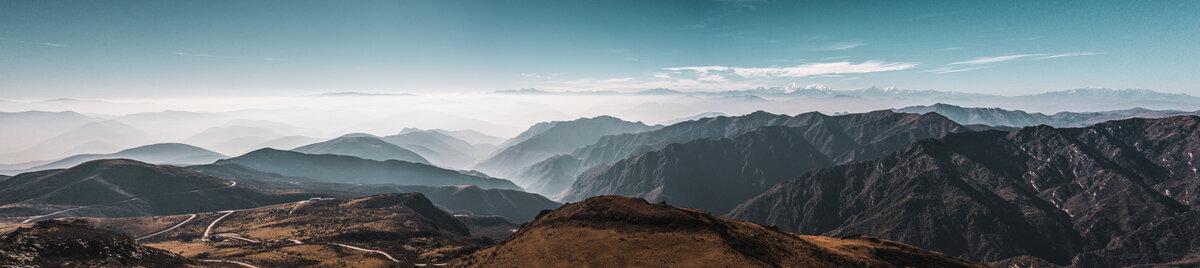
(829, 133)
(75, 244)
(121, 188)
(349, 169)
(162, 153)
(712, 175)
(546, 140)
(516, 205)
(613, 231)
(1040, 191)
(366, 147)
(718, 174)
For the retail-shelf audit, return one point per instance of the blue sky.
(91, 49)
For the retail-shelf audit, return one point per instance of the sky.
(149, 49)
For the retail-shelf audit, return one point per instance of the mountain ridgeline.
(551, 138)
(362, 146)
(124, 188)
(349, 169)
(1109, 195)
(1017, 118)
(163, 153)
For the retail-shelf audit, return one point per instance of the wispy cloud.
(185, 54)
(1070, 55)
(33, 43)
(986, 60)
(946, 70)
(841, 46)
(805, 70)
(982, 62)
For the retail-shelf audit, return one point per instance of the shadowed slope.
(613, 231)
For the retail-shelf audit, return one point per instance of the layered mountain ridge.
(1055, 194)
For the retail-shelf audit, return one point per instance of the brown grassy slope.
(56, 243)
(406, 226)
(614, 231)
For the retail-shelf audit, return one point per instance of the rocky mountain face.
(349, 169)
(613, 231)
(365, 147)
(861, 128)
(717, 174)
(545, 140)
(56, 243)
(124, 188)
(1093, 196)
(162, 153)
(1017, 118)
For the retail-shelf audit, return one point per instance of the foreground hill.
(1113, 194)
(75, 244)
(375, 231)
(516, 205)
(162, 153)
(1017, 118)
(362, 146)
(613, 231)
(123, 188)
(349, 169)
(548, 139)
(717, 174)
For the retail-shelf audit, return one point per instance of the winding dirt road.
(243, 264)
(385, 254)
(193, 216)
(208, 231)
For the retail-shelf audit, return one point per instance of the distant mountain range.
(1001, 117)
(1091, 99)
(442, 149)
(1110, 195)
(876, 92)
(362, 146)
(613, 231)
(545, 140)
(163, 153)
